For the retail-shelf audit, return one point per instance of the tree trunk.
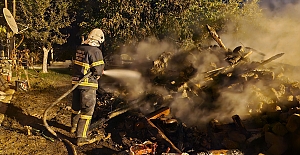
(52, 56)
(45, 59)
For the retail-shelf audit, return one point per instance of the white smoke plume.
(276, 32)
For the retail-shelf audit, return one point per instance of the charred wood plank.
(100, 123)
(238, 122)
(226, 69)
(241, 127)
(253, 66)
(164, 136)
(215, 36)
(164, 111)
(156, 114)
(272, 58)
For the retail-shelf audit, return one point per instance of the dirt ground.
(22, 130)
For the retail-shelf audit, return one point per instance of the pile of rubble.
(266, 121)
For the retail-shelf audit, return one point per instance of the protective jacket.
(88, 59)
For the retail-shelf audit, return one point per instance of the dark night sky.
(277, 5)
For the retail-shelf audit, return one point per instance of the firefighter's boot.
(84, 140)
(82, 129)
(74, 121)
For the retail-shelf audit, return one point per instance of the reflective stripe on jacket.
(88, 59)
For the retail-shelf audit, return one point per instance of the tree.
(3, 36)
(46, 19)
(183, 21)
(189, 26)
(127, 21)
(2, 32)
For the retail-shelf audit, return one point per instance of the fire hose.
(54, 103)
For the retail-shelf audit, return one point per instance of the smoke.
(133, 78)
(275, 32)
(199, 111)
(151, 49)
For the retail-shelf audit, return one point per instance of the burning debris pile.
(209, 101)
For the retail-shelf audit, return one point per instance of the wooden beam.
(216, 37)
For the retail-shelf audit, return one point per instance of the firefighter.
(89, 58)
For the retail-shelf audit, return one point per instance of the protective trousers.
(83, 104)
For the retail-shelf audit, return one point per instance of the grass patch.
(55, 78)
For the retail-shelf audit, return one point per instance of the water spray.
(123, 74)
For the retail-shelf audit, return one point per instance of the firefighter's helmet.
(97, 34)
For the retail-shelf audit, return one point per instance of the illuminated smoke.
(275, 32)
